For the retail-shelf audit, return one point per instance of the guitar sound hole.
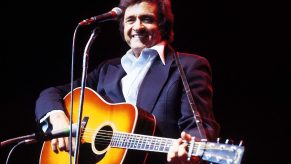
(103, 138)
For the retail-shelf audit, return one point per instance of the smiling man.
(147, 77)
(141, 29)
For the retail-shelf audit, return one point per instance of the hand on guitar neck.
(178, 152)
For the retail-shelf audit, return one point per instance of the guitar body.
(103, 118)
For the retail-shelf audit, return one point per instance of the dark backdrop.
(245, 42)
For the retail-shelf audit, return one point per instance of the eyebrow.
(142, 16)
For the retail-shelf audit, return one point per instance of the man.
(147, 77)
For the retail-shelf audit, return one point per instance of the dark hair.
(165, 16)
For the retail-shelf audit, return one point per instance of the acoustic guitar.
(122, 133)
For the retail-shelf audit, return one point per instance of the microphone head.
(114, 14)
(117, 10)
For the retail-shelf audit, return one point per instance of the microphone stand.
(34, 138)
(27, 138)
(39, 136)
(83, 85)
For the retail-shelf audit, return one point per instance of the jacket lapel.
(154, 82)
(112, 84)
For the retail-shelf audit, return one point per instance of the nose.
(138, 25)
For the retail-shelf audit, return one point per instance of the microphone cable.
(27, 141)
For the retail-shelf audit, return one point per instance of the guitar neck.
(209, 151)
(141, 142)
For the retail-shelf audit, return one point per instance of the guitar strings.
(151, 143)
(103, 137)
(107, 137)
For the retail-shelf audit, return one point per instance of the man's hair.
(165, 17)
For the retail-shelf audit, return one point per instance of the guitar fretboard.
(141, 142)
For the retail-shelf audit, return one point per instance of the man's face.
(141, 28)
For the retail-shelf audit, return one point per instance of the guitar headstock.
(223, 153)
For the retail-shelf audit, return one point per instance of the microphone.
(59, 133)
(41, 136)
(111, 15)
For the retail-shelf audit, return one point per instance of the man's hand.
(178, 152)
(60, 121)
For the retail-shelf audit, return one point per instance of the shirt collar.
(160, 47)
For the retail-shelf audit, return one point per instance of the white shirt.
(136, 69)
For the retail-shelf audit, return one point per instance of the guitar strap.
(192, 103)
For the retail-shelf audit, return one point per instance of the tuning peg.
(229, 141)
(240, 143)
(226, 141)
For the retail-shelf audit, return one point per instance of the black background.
(246, 43)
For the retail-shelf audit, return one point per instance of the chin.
(138, 46)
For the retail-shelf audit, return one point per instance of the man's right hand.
(59, 121)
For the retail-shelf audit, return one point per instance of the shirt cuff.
(44, 120)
